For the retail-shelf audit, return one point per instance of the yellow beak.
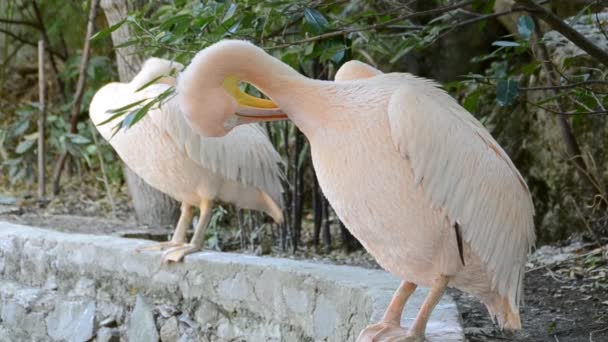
(251, 107)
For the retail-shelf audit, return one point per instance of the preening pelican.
(241, 168)
(414, 176)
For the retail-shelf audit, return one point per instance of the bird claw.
(387, 332)
(177, 254)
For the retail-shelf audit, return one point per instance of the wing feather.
(464, 171)
(244, 155)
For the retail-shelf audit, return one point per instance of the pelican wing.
(244, 155)
(464, 171)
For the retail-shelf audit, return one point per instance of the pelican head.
(158, 70)
(209, 86)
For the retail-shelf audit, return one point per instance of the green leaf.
(31, 136)
(335, 52)
(78, 139)
(175, 20)
(127, 43)
(24, 146)
(506, 91)
(124, 108)
(315, 20)
(107, 31)
(137, 115)
(483, 6)
(525, 26)
(505, 43)
(471, 102)
(530, 68)
(19, 128)
(404, 48)
(229, 12)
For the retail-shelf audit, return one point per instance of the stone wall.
(56, 286)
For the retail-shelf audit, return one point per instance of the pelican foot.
(387, 332)
(177, 254)
(160, 246)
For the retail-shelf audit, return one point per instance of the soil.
(566, 287)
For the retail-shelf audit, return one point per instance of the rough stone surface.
(210, 297)
(71, 321)
(141, 322)
(108, 335)
(169, 331)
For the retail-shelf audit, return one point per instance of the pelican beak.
(251, 108)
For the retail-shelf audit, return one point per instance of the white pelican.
(415, 177)
(241, 168)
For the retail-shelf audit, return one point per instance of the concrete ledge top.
(264, 298)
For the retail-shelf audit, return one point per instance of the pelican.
(241, 168)
(413, 176)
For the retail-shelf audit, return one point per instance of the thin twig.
(593, 234)
(480, 17)
(594, 332)
(593, 252)
(47, 42)
(566, 86)
(80, 85)
(104, 174)
(41, 121)
(597, 112)
(22, 40)
(18, 22)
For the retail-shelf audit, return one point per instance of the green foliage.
(63, 23)
(506, 91)
(525, 27)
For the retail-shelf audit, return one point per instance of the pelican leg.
(389, 329)
(179, 236)
(416, 332)
(196, 244)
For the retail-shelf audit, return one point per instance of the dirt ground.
(566, 287)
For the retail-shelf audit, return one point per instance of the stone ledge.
(211, 296)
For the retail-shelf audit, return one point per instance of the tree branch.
(80, 85)
(566, 86)
(374, 26)
(566, 30)
(47, 42)
(27, 42)
(18, 22)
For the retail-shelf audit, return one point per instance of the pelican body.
(413, 176)
(241, 168)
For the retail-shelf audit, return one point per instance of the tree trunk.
(326, 226)
(298, 190)
(152, 207)
(317, 208)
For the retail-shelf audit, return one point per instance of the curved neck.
(301, 98)
(248, 63)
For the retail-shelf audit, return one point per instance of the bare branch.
(22, 40)
(18, 22)
(47, 42)
(80, 85)
(566, 30)
(566, 86)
